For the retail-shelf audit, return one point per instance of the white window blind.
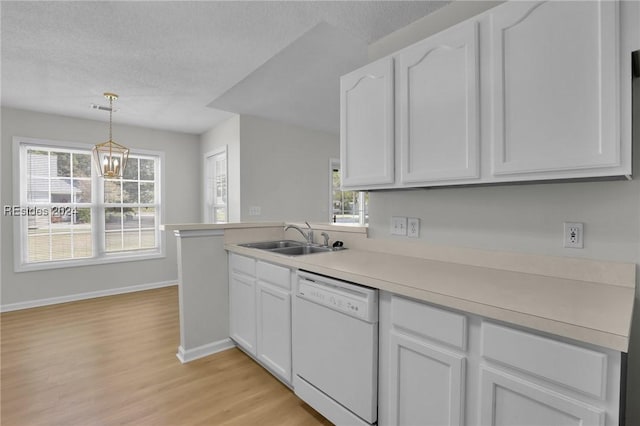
(58, 195)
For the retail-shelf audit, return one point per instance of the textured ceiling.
(186, 65)
(300, 84)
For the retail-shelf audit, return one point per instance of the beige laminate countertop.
(585, 311)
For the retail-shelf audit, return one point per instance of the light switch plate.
(398, 225)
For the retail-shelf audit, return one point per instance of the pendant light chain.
(110, 130)
(110, 117)
(110, 157)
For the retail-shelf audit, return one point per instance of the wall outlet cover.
(574, 235)
(413, 227)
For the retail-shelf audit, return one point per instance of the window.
(130, 207)
(216, 186)
(347, 206)
(58, 194)
(67, 215)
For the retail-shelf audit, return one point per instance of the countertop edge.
(553, 326)
(214, 226)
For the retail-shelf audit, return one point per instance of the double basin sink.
(290, 247)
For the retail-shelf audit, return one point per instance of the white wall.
(285, 170)
(524, 218)
(182, 205)
(226, 134)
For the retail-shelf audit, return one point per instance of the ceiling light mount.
(110, 157)
(103, 108)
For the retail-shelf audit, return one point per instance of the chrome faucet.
(326, 239)
(308, 236)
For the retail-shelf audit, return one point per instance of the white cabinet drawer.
(274, 274)
(438, 324)
(243, 264)
(572, 366)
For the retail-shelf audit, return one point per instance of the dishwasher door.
(335, 346)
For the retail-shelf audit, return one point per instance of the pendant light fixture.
(110, 157)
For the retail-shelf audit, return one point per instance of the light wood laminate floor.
(111, 361)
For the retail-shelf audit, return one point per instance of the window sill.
(75, 263)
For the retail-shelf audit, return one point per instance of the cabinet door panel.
(242, 309)
(439, 85)
(367, 125)
(426, 383)
(555, 86)
(274, 329)
(507, 400)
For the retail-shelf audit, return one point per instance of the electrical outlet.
(413, 227)
(573, 235)
(254, 211)
(398, 225)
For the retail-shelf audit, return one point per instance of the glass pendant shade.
(110, 157)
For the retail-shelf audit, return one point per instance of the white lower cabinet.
(427, 383)
(273, 302)
(242, 302)
(260, 312)
(422, 370)
(509, 400)
(441, 367)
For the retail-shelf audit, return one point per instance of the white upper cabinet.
(366, 125)
(438, 107)
(526, 91)
(555, 88)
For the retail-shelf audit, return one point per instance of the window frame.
(209, 208)
(334, 164)
(100, 256)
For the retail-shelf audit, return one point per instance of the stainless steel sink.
(300, 250)
(289, 247)
(270, 245)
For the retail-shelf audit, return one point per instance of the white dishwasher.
(335, 348)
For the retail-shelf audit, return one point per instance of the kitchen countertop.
(585, 311)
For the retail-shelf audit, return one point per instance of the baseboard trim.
(205, 350)
(82, 296)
